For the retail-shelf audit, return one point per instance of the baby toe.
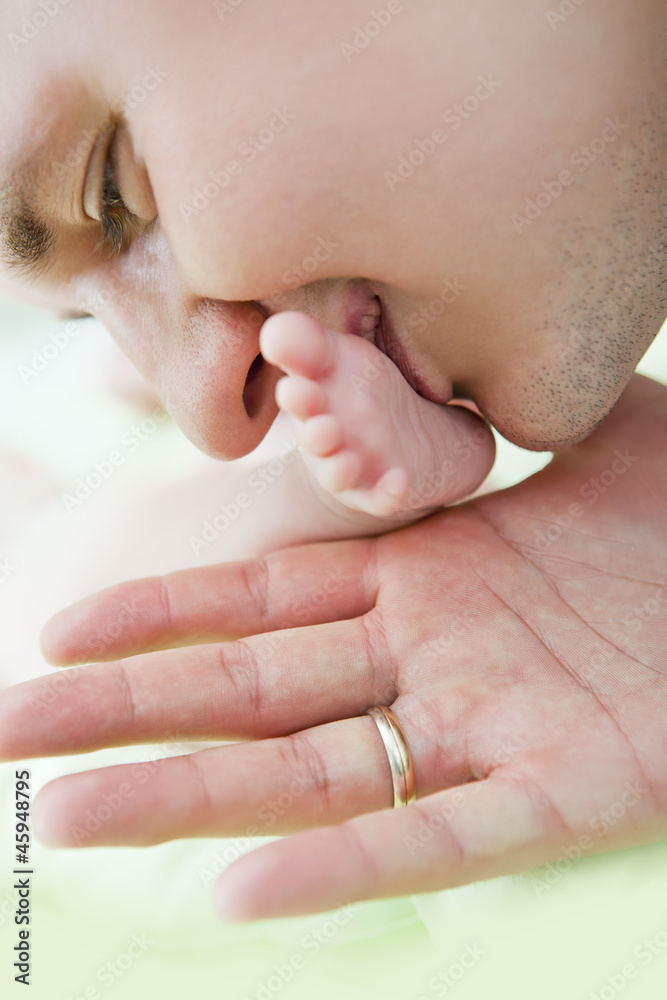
(322, 435)
(341, 471)
(300, 397)
(298, 344)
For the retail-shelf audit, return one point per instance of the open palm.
(520, 639)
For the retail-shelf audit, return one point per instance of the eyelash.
(119, 224)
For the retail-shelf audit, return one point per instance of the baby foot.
(368, 438)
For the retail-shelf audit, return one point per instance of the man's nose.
(201, 355)
(216, 384)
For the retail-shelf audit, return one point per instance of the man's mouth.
(360, 311)
(394, 347)
(368, 316)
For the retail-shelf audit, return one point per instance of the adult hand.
(519, 638)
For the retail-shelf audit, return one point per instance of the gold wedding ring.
(398, 752)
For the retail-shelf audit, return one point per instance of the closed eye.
(119, 224)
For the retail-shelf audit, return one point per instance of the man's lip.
(265, 312)
(364, 313)
(390, 344)
(363, 310)
(355, 310)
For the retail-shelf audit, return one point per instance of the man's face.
(492, 173)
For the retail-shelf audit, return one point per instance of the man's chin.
(546, 434)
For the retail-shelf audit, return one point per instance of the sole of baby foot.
(367, 437)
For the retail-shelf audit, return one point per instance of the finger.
(469, 833)
(263, 788)
(261, 686)
(305, 585)
(323, 775)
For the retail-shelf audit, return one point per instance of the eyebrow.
(27, 242)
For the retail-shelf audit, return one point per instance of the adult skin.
(526, 667)
(549, 317)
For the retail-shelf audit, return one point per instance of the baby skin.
(373, 454)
